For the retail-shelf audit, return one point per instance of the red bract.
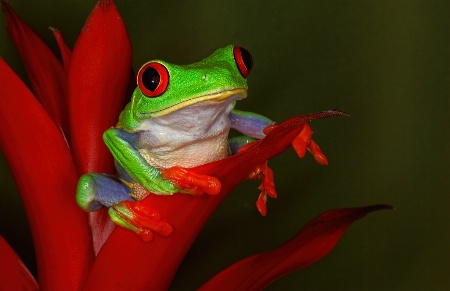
(13, 273)
(99, 72)
(45, 71)
(311, 244)
(47, 157)
(42, 165)
(98, 78)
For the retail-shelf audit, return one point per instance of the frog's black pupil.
(247, 59)
(150, 78)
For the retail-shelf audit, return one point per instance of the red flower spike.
(66, 53)
(13, 273)
(187, 215)
(98, 80)
(59, 228)
(311, 244)
(44, 70)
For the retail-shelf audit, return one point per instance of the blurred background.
(387, 63)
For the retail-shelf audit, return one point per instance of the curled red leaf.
(311, 244)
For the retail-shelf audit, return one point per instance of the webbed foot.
(192, 183)
(265, 174)
(139, 219)
(303, 142)
(267, 186)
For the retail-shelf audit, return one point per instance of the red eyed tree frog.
(179, 117)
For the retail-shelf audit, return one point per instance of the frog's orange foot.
(192, 183)
(140, 219)
(267, 186)
(303, 142)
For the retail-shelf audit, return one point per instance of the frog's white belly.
(192, 136)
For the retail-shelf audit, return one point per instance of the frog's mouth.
(235, 94)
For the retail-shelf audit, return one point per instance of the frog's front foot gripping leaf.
(301, 143)
(191, 183)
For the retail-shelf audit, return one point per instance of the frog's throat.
(235, 94)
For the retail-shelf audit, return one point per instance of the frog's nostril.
(204, 77)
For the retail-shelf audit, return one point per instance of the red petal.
(42, 165)
(155, 263)
(311, 244)
(98, 80)
(66, 54)
(14, 275)
(44, 70)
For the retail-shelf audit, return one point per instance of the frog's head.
(164, 88)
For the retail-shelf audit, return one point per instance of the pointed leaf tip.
(64, 49)
(105, 3)
(100, 66)
(314, 241)
(13, 272)
(43, 68)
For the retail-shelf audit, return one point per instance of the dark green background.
(385, 62)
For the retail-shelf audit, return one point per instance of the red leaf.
(98, 80)
(311, 244)
(42, 165)
(155, 263)
(44, 70)
(14, 275)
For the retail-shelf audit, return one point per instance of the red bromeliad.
(61, 138)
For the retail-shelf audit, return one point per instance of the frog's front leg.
(133, 215)
(128, 157)
(152, 179)
(249, 123)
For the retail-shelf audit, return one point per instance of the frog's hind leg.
(236, 143)
(95, 191)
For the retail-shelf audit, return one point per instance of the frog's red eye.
(243, 60)
(153, 79)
